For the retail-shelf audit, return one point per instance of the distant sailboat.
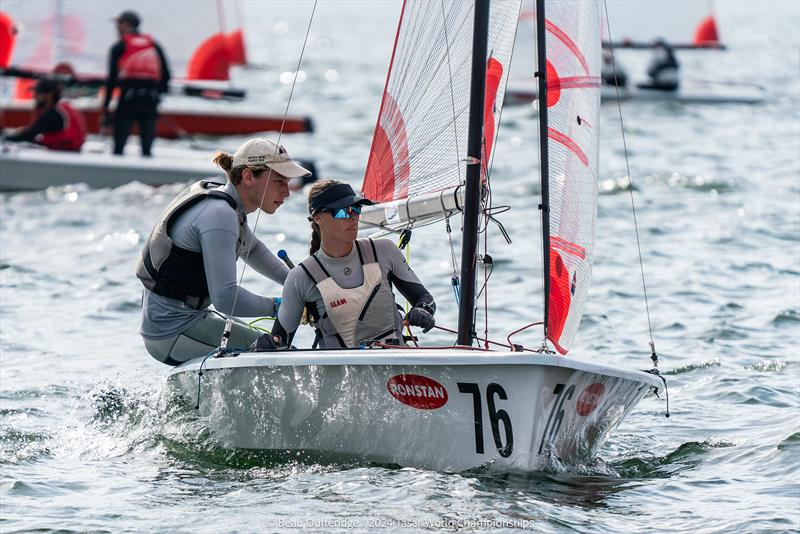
(74, 36)
(452, 407)
(635, 25)
(689, 24)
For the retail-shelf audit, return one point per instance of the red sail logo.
(589, 399)
(417, 391)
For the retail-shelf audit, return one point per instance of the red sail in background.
(687, 23)
(706, 32)
(8, 38)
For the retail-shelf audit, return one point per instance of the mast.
(480, 37)
(541, 61)
(58, 49)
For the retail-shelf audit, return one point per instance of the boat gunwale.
(406, 357)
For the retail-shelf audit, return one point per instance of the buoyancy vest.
(175, 272)
(357, 315)
(140, 59)
(72, 135)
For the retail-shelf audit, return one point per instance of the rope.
(228, 323)
(517, 331)
(486, 275)
(452, 96)
(252, 324)
(497, 343)
(653, 355)
(454, 280)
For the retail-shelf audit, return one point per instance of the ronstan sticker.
(417, 391)
(589, 398)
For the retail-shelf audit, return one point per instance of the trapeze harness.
(174, 272)
(72, 135)
(139, 60)
(358, 315)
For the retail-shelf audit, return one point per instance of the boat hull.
(521, 92)
(176, 121)
(421, 408)
(28, 168)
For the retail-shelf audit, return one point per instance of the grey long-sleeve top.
(347, 273)
(212, 227)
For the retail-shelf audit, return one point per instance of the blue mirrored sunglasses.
(343, 213)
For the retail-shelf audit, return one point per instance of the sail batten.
(573, 47)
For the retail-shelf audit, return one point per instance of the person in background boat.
(612, 73)
(663, 68)
(138, 66)
(189, 260)
(59, 126)
(346, 284)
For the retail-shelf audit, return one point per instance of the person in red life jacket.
(138, 66)
(58, 127)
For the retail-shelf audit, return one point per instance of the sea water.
(91, 441)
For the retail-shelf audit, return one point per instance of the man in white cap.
(189, 260)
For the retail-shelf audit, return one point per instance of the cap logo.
(264, 159)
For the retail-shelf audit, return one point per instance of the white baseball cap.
(262, 153)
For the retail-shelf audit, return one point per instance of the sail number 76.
(495, 416)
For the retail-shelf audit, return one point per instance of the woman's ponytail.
(316, 239)
(223, 160)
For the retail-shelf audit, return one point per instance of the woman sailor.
(189, 260)
(346, 284)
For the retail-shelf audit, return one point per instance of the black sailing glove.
(264, 342)
(418, 316)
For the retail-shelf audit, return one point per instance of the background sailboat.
(690, 26)
(685, 25)
(201, 44)
(454, 407)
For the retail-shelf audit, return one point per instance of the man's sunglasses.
(343, 213)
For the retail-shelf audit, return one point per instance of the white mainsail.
(420, 139)
(573, 104)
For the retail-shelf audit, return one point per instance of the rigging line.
(452, 95)
(269, 174)
(505, 86)
(487, 272)
(445, 329)
(454, 277)
(455, 136)
(630, 186)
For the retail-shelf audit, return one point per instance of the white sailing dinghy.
(457, 407)
(689, 25)
(26, 167)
